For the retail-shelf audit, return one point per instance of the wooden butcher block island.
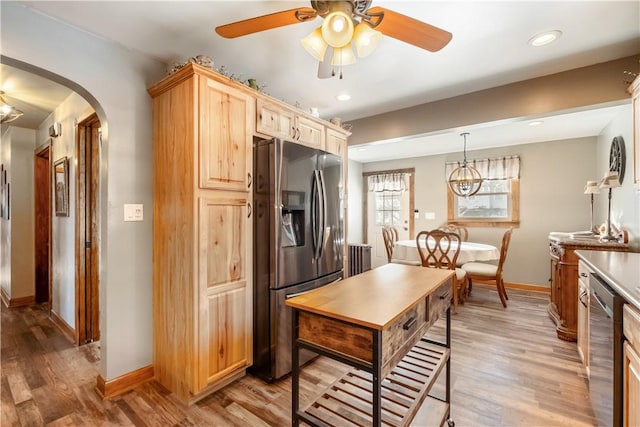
(375, 322)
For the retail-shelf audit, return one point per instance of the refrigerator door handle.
(316, 220)
(323, 211)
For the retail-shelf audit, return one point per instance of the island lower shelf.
(349, 401)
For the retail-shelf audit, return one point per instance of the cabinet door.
(309, 132)
(336, 143)
(583, 321)
(274, 121)
(631, 394)
(225, 129)
(225, 282)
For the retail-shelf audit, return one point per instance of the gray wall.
(552, 178)
(354, 203)
(63, 251)
(625, 201)
(114, 81)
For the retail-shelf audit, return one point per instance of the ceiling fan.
(345, 22)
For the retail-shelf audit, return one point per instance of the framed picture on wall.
(61, 180)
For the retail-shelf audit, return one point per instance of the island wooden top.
(620, 269)
(374, 298)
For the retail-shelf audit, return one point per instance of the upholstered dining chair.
(490, 272)
(443, 254)
(456, 228)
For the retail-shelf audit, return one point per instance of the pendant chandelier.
(8, 113)
(465, 180)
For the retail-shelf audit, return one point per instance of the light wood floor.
(508, 369)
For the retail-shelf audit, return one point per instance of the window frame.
(488, 222)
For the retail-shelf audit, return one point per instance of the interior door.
(386, 208)
(42, 207)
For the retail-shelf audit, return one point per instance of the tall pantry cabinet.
(202, 263)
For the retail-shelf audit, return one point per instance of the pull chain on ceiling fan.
(346, 24)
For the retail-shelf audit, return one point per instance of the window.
(388, 208)
(497, 202)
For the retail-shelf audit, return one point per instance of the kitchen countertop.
(591, 243)
(375, 298)
(620, 269)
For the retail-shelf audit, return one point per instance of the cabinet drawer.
(583, 273)
(631, 325)
(439, 300)
(400, 333)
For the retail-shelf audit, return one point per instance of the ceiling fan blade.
(266, 22)
(411, 30)
(325, 70)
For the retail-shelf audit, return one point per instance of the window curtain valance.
(501, 168)
(388, 182)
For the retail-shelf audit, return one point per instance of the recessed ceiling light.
(536, 123)
(545, 38)
(362, 149)
(343, 97)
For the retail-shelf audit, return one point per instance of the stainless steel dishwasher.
(605, 352)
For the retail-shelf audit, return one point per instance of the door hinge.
(87, 245)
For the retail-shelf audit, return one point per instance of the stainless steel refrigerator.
(298, 241)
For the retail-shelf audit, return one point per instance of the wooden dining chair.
(443, 254)
(490, 272)
(456, 228)
(389, 243)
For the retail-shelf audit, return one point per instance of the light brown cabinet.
(583, 313)
(202, 262)
(336, 143)
(634, 89)
(631, 366)
(279, 121)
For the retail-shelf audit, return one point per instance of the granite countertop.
(594, 243)
(620, 269)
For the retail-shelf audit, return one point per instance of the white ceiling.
(489, 48)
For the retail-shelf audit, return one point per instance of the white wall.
(552, 178)
(114, 81)
(625, 201)
(17, 271)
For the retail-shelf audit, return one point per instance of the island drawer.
(439, 301)
(631, 325)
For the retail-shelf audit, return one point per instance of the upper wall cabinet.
(282, 122)
(226, 115)
(635, 99)
(336, 143)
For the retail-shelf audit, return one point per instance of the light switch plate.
(429, 215)
(133, 212)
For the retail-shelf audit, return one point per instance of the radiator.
(359, 259)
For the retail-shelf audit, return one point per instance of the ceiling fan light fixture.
(337, 29)
(8, 113)
(315, 44)
(343, 56)
(366, 39)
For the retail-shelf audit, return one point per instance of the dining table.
(406, 252)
